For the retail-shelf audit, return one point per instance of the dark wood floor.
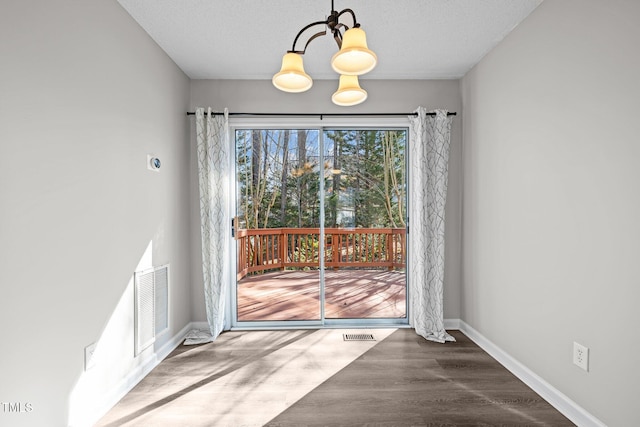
(401, 380)
(349, 294)
(407, 381)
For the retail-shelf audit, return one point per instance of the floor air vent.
(358, 337)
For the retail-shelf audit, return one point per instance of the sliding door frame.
(319, 124)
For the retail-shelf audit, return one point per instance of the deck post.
(391, 256)
(336, 245)
(282, 237)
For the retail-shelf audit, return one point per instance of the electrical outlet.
(88, 356)
(581, 356)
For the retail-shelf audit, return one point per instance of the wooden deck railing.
(279, 248)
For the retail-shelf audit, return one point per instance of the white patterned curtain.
(212, 137)
(428, 172)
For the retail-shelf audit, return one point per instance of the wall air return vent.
(151, 305)
(162, 299)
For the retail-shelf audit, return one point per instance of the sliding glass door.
(276, 225)
(364, 224)
(320, 225)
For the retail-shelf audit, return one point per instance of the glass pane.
(365, 211)
(277, 225)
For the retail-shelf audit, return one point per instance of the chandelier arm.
(315, 36)
(353, 15)
(321, 33)
(337, 35)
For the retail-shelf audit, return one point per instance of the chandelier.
(353, 59)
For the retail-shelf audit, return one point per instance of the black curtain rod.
(321, 115)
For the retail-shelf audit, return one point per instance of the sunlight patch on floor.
(257, 392)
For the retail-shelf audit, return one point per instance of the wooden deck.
(349, 294)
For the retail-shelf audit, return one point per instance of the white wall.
(85, 94)
(551, 230)
(390, 96)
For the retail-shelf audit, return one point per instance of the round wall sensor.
(153, 163)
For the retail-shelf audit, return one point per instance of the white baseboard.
(555, 397)
(200, 326)
(452, 324)
(148, 361)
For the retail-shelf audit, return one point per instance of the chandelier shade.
(349, 92)
(292, 77)
(354, 57)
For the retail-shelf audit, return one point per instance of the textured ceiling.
(245, 39)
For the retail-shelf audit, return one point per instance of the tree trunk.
(337, 164)
(302, 160)
(285, 173)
